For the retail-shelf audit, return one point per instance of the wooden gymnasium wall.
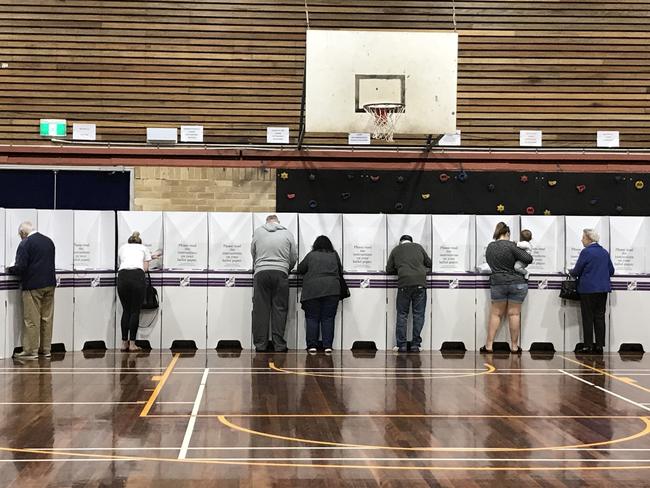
(236, 66)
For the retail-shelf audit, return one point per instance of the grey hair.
(25, 227)
(272, 218)
(591, 234)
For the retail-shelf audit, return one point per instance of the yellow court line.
(490, 369)
(644, 432)
(622, 379)
(159, 387)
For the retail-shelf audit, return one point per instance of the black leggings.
(131, 288)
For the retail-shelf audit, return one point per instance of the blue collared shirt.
(593, 270)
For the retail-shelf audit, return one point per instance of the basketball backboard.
(349, 69)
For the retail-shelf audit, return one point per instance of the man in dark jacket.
(410, 262)
(35, 266)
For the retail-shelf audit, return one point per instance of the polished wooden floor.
(292, 420)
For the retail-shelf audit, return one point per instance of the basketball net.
(384, 118)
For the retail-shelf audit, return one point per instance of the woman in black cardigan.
(321, 292)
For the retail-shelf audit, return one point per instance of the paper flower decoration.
(593, 201)
(491, 187)
(547, 212)
(581, 188)
(551, 183)
(312, 177)
(284, 175)
(619, 208)
(462, 176)
(345, 196)
(523, 178)
(426, 196)
(444, 178)
(291, 196)
(400, 179)
(313, 204)
(399, 206)
(639, 184)
(530, 210)
(501, 208)
(374, 178)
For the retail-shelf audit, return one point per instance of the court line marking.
(159, 386)
(620, 397)
(490, 369)
(251, 463)
(236, 427)
(138, 402)
(195, 410)
(624, 380)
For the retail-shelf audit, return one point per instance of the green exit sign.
(53, 127)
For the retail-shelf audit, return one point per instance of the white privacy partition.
(542, 319)
(573, 227)
(5, 284)
(290, 221)
(230, 278)
(419, 228)
(185, 293)
(58, 226)
(452, 284)
(628, 302)
(14, 318)
(485, 225)
(312, 226)
(364, 264)
(94, 266)
(150, 226)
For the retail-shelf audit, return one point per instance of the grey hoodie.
(273, 247)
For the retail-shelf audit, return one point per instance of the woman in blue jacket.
(593, 270)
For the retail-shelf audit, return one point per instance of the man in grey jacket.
(274, 256)
(410, 262)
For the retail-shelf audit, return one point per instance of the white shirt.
(525, 245)
(133, 256)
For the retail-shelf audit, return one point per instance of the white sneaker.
(25, 355)
(311, 350)
(328, 350)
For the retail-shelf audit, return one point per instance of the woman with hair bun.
(508, 288)
(133, 261)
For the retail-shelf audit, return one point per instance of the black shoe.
(597, 350)
(257, 349)
(516, 351)
(286, 349)
(485, 350)
(585, 350)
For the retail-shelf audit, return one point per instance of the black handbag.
(345, 290)
(569, 290)
(150, 296)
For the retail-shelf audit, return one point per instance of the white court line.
(294, 448)
(195, 410)
(636, 404)
(139, 402)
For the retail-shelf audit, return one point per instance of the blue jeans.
(320, 314)
(415, 296)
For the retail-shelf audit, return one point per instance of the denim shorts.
(515, 293)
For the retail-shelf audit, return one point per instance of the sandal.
(485, 350)
(516, 351)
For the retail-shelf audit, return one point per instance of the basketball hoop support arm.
(431, 141)
(301, 127)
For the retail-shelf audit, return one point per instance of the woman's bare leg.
(514, 323)
(497, 311)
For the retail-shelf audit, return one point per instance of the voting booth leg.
(230, 298)
(453, 311)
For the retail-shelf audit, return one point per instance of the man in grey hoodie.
(274, 256)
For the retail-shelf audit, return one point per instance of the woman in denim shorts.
(508, 288)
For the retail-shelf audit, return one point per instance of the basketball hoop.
(384, 118)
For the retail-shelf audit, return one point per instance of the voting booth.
(542, 318)
(230, 278)
(419, 228)
(290, 221)
(629, 247)
(312, 226)
(364, 264)
(58, 226)
(185, 292)
(150, 227)
(94, 278)
(14, 315)
(485, 225)
(574, 226)
(452, 284)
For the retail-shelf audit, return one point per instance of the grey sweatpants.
(270, 300)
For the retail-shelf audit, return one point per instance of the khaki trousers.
(38, 314)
